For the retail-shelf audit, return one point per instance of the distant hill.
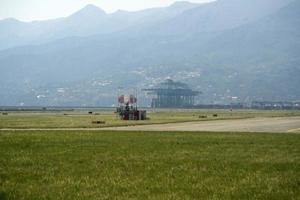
(229, 48)
(88, 21)
(264, 53)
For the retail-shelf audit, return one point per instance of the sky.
(29, 10)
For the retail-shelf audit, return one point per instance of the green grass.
(148, 165)
(84, 120)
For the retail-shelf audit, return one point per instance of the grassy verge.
(148, 165)
(84, 120)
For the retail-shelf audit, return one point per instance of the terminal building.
(171, 94)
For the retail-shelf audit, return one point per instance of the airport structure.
(171, 94)
(128, 110)
(279, 105)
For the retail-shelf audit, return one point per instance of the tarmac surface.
(271, 125)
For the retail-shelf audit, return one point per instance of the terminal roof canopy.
(172, 88)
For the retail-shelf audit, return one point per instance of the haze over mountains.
(228, 48)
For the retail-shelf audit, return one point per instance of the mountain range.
(229, 49)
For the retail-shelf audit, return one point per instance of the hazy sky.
(27, 10)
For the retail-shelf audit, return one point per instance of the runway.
(271, 125)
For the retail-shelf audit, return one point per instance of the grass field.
(84, 120)
(148, 165)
